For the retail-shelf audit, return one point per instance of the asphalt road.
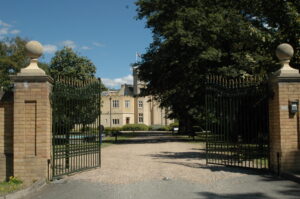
(247, 187)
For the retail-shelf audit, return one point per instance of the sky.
(105, 31)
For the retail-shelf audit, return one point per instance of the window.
(115, 103)
(127, 103)
(140, 104)
(141, 118)
(116, 121)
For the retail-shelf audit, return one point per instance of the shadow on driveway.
(288, 191)
(210, 195)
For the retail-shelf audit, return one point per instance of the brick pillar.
(284, 127)
(32, 123)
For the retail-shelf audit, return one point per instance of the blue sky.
(104, 31)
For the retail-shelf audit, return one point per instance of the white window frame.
(141, 118)
(140, 104)
(127, 103)
(116, 121)
(115, 104)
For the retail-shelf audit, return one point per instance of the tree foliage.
(76, 91)
(68, 63)
(12, 59)
(192, 38)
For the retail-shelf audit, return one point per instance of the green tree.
(67, 63)
(12, 59)
(74, 104)
(192, 38)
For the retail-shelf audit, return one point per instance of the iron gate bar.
(237, 122)
(76, 131)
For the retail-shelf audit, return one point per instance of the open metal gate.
(237, 122)
(76, 131)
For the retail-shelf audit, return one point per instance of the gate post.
(32, 119)
(283, 124)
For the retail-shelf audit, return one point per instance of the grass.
(107, 141)
(12, 185)
(111, 140)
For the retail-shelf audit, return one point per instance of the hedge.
(135, 127)
(159, 128)
(108, 130)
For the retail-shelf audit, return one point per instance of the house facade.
(124, 106)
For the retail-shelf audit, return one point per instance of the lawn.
(109, 140)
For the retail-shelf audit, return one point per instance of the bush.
(108, 130)
(159, 128)
(173, 125)
(135, 127)
(14, 180)
(164, 128)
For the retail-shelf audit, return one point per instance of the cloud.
(48, 48)
(2, 23)
(15, 31)
(113, 83)
(98, 44)
(68, 43)
(4, 31)
(86, 48)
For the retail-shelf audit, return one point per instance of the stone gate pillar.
(284, 125)
(32, 119)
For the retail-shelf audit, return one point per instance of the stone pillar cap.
(34, 50)
(284, 53)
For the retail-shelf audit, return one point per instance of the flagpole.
(136, 57)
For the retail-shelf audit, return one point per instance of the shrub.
(108, 130)
(164, 128)
(135, 127)
(14, 180)
(159, 128)
(172, 125)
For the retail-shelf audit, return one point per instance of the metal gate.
(237, 122)
(76, 136)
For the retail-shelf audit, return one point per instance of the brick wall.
(32, 129)
(284, 128)
(6, 136)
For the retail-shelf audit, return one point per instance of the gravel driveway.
(164, 167)
(159, 158)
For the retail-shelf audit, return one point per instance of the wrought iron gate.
(76, 136)
(237, 122)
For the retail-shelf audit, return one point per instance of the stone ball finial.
(284, 52)
(34, 49)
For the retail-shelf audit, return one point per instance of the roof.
(125, 90)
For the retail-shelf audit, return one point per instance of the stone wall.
(6, 136)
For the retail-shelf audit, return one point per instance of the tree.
(192, 38)
(69, 64)
(12, 58)
(76, 98)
